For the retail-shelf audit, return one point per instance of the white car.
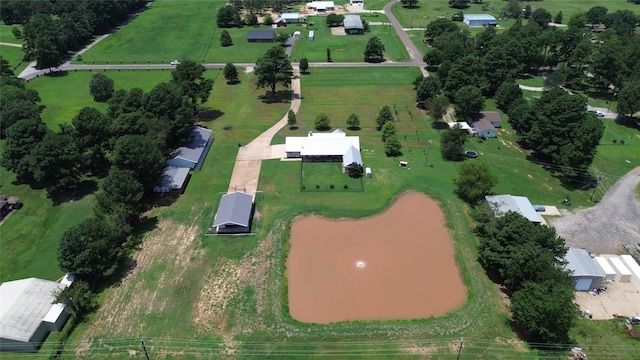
(175, 62)
(599, 114)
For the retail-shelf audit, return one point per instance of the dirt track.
(613, 222)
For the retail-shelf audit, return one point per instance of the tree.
(374, 52)
(291, 118)
(5, 68)
(92, 134)
(541, 17)
(22, 137)
(56, 162)
(16, 32)
(17, 103)
(120, 198)
(282, 38)
(322, 122)
(329, 55)
(225, 38)
(468, 101)
(452, 143)
(428, 88)
(558, 18)
(388, 130)
(437, 106)
(392, 146)
(474, 181)
(89, 250)
(231, 73)
(228, 16)
(268, 20)
(439, 27)
(622, 21)
(101, 87)
(189, 76)
(353, 122)
(384, 115)
(597, 14)
(459, 4)
(251, 19)
(507, 93)
(334, 20)
(433, 58)
(78, 298)
(545, 310)
(140, 155)
(629, 98)
(274, 68)
(354, 170)
(304, 65)
(410, 3)
(527, 11)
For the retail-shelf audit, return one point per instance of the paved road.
(613, 222)
(414, 54)
(10, 44)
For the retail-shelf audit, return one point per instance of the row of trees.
(385, 124)
(52, 28)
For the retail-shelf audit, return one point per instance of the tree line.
(127, 146)
(53, 28)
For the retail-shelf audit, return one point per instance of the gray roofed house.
(353, 25)
(234, 213)
(492, 116)
(485, 129)
(192, 155)
(28, 314)
(265, 35)
(501, 204)
(586, 272)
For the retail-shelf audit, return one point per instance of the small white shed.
(312, 35)
(609, 273)
(368, 172)
(633, 266)
(622, 273)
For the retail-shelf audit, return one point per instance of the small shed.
(356, 2)
(622, 273)
(485, 129)
(312, 35)
(353, 25)
(476, 20)
(280, 23)
(367, 172)
(634, 268)
(586, 273)
(264, 35)
(192, 154)
(234, 213)
(609, 273)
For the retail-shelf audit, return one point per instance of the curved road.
(612, 223)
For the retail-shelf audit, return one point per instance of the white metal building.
(622, 273)
(28, 314)
(586, 272)
(501, 204)
(321, 6)
(334, 146)
(633, 266)
(475, 20)
(609, 273)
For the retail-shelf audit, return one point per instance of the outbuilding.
(192, 154)
(335, 146)
(265, 35)
(172, 179)
(501, 204)
(609, 273)
(476, 20)
(321, 6)
(28, 313)
(234, 213)
(353, 25)
(622, 273)
(586, 273)
(290, 18)
(634, 268)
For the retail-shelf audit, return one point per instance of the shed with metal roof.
(234, 213)
(586, 272)
(474, 20)
(501, 204)
(192, 154)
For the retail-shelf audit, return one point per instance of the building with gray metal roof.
(192, 154)
(474, 20)
(28, 314)
(234, 213)
(586, 272)
(353, 25)
(501, 204)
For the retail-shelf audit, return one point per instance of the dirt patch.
(374, 268)
(338, 31)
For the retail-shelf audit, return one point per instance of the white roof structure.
(623, 274)
(26, 303)
(353, 22)
(501, 204)
(335, 143)
(610, 274)
(479, 17)
(290, 16)
(463, 125)
(321, 5)
(633, 266)
(580, 263)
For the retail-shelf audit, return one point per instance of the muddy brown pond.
(399, 264)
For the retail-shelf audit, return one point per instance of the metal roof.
(501, 204)
(352, 156)
(479, 17)
(353, 22)
(483, 125)
(321, 4)
(265, 34)
(172, 178)
(290, 16)
(580, 263)
(194, 149)
(25, 303)
(234, 209)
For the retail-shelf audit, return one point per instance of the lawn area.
(535, 81)
(14, 56)
(6, 34)
(327, 177)
(605, 339)
(346, 48)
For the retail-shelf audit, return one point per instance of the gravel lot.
(604, 228)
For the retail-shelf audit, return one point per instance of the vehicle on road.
(599, 114)
(175, 62)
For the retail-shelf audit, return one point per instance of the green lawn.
(14, 56)
(327, 177)
(6, 34)
(346, 48)
(535, 81)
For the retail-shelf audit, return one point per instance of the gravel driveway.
(604, 228)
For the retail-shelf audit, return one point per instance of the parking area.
(621, 298)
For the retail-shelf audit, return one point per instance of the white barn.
(321, 6)
(622, 273)
(329, 147)
(28, 314)
(609, 273)
(476, 20)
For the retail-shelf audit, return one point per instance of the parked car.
(599, 114)
(175, 62)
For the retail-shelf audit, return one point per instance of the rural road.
(612, 223)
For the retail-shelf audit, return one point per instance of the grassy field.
(327, 177)
(6, 34)
(346, 48)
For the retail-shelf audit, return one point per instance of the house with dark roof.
(353, 25)
(192, 154)
(28, 313)
(234, 213)
(261, 35)
(491, 116)
(325, 147)
(501, 204)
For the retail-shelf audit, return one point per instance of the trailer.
(622, 273)
(633, 266)
(609, 273)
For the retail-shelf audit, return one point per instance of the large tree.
(90, 249)
(120, 198)
(468, 102)
(388, 130)
(22, 138)
(92, 133)
(384, 115)
(459, 4)
(428, 88)
(274, 68)
(228, 16)
(542, 17)
(231, 73)
(544, 311)
(225, 39)
(57, 163)
(452, 143)
(474, 181)
(140, 155)
(392, 146)
(190, 78)
(508, 92)
(101, 87)
(629, 98)
(374, 52)
(17, 103)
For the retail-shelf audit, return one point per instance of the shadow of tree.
(282, 96)
(439, 125)
(209, 114)
(85, 188)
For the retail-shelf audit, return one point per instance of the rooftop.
(194, 149)
(580, 263)
(234, 209)
(501, 204)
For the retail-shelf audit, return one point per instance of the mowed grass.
(6, 34)
(14, 56)
(327, 177)
(346, 48)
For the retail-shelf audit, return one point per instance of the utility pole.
(144, 348)
(460, 348)
(599, 178)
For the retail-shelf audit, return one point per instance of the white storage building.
(633, 266)
(609, 273)
(622, 273)
(473, 20)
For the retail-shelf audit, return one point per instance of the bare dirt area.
(610, 224)
(621, 298)
(377, 268)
